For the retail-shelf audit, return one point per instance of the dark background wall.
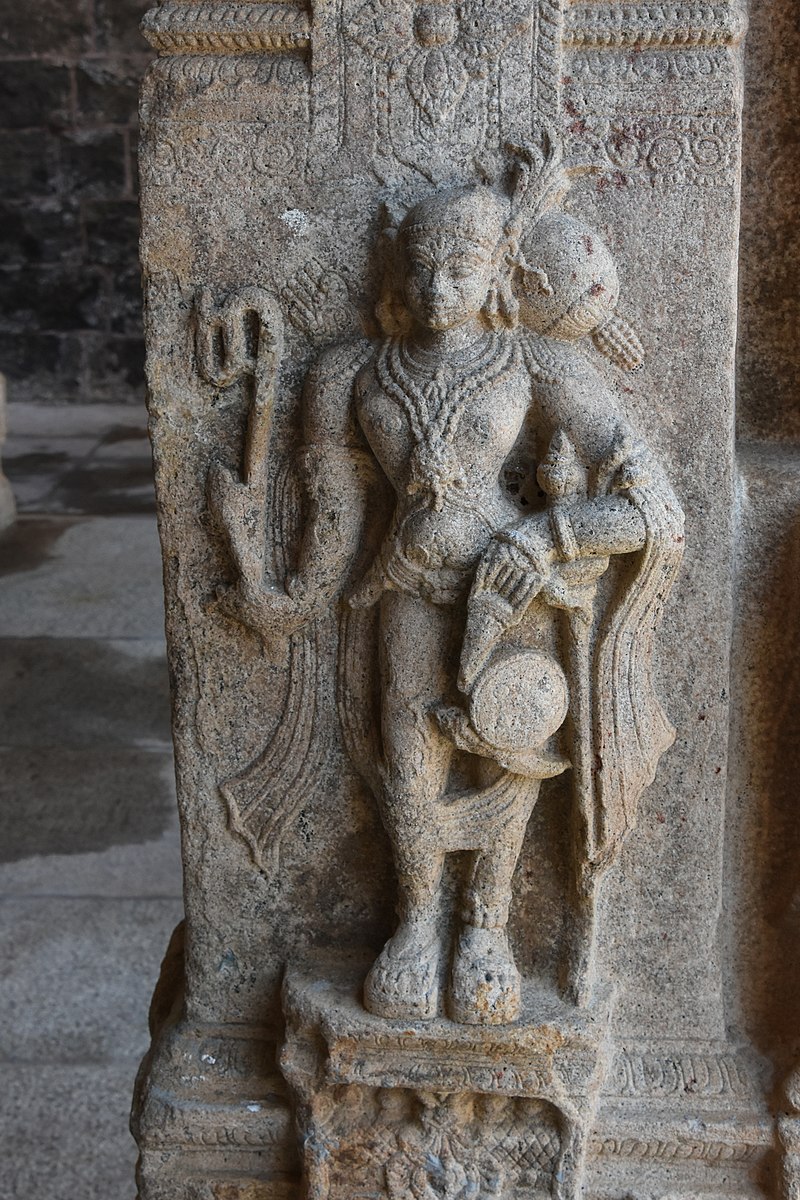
(70, 326)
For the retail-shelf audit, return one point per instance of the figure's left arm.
(598, 475)
(628, 504)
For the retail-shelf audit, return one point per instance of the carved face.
(447, 278)
(435, 25)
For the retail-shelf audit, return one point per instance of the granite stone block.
(49, 27)
(35, 95)
(441, 321)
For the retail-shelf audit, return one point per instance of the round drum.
(519, 700)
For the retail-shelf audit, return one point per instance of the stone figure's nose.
(437, 285)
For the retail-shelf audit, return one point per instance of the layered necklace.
(434, 400)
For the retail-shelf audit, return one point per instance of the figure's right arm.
(340, 484)
(341, 481)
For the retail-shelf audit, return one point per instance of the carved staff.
(582, 948)
(561, 479)
(242, 338)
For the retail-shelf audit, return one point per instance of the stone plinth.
(387, 1106)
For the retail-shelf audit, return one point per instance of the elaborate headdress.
(568, 280)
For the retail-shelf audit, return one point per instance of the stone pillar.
(422, 523)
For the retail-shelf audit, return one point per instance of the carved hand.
(509, 573)
(508, 578)
(269, 611)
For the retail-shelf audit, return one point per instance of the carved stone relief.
(418, 416)
(499, 666)
(486, 296)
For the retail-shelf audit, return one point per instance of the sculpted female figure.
(474, 682)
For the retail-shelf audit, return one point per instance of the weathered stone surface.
(434, 377)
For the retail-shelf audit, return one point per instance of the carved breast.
(486, 428)
(443, 456)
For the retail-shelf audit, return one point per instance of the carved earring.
(491, 308)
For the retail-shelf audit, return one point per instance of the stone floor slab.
(93, 460)
(58, 802)
(35, 465)
(81, 577)
(82, 692)
(72, 420)
(78, 976)
(64, 1133)
(145, 869)
(109, 485)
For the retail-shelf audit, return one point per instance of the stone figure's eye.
(421, 262)
(462, 266)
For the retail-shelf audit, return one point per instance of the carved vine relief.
(468, 481)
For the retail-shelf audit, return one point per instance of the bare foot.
(484, 981)
(403, 983)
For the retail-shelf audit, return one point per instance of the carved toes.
(484, 982)
(404, 984)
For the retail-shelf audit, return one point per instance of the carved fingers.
(270, 612)
(505, 584)
(509, 573)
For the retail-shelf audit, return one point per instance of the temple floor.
(90, 876)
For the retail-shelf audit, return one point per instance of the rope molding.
(175, 28)
(184, 28)
(620, 25)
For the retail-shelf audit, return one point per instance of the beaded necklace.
(434, 405)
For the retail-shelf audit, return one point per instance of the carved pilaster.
(434, 379)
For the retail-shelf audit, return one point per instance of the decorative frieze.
(182, 28)
(615, 26)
